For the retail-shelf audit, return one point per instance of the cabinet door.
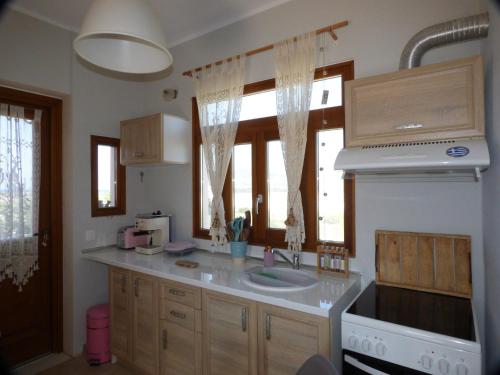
(229, 334)
(142, 140)
(145, 320)
(180, 352)
(439, 101)
(120, 311)
(288, 338)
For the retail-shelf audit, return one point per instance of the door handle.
(164, 339)
(268, 326)
(258, 200)
(244, 313)
(136, 287)
(45, 237)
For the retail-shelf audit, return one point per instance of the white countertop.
(217, 272)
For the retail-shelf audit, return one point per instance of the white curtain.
(294, 64)
(219, 91)
(19, 193)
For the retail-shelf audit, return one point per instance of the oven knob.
(366, 345)
(426, 362)
(462, 369)
(444, 366)
(353, 342)
(380, 349)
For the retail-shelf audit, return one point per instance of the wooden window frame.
(121, 195)
(265, 129)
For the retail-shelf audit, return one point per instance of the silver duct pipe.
(458, 30)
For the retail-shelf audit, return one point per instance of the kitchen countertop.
(218, 273)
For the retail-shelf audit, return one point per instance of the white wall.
(374, 40)
(491, 192)
(39, 56)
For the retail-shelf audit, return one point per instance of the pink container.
(97, 349)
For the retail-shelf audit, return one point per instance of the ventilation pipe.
(458, 30)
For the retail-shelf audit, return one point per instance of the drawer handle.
(268, 326)
(409, 126)
(138, 154)
(136, 287)
(177, 314)
(244, 312)
(164, 339)
(176, 292)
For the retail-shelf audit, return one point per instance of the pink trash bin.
(97, 349)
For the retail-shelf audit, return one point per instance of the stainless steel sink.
(279, 279)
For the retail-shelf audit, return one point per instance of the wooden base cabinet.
(120, 302)
(229, 334)
(145, 323)
(288, 338)
(134, 319)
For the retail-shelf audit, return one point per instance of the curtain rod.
(328, 29)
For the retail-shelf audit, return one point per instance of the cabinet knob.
(409, 126)
(177, 314)
(138, 154)
(176, 292)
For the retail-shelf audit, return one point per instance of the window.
(256, 178)
(108, 177)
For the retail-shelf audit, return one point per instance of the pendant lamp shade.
(123, 36)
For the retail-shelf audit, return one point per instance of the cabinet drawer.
(440, 101)
(183, 315)
(181, 293)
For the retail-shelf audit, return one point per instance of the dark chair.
(317, 365)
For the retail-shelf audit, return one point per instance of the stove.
(390, 330)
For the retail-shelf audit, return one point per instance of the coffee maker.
(158, 228)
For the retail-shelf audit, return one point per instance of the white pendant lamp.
(123, 36)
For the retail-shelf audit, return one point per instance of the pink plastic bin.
(97, 349)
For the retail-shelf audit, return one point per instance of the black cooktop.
(447, 315)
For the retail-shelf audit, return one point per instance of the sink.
(279, 279)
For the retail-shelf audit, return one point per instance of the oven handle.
(369, 370)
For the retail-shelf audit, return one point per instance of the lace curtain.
(19, 193)
(219, 91)
(294, 65)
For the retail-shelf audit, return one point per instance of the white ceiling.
(182, 19)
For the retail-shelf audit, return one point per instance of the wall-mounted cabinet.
(433, 102)
(154, 140)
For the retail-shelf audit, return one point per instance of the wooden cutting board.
(438, 263)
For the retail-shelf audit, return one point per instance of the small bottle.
(268, 256)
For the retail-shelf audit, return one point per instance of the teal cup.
(238, 249)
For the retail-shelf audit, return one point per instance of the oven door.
(359, 364)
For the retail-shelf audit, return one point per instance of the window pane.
(206, 194)
(242, 179)
(330, 186)
(106, 176)
(263, 104)
(276, 186)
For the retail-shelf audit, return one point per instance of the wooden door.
(229, 334)
(30, 319)
(288, 338)
(120, 294)
(141, 140)
(145, 323)
(180, 352)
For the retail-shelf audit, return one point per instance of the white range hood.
(463, 157)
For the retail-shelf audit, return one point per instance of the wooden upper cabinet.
(288, 338)
(120, 310)
(433, 102)
(145, 323)
(153, 140)
(229, 334)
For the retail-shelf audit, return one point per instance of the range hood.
(468, 157)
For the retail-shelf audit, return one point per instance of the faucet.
(295, 262)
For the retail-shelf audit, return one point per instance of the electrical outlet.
(90, 235)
